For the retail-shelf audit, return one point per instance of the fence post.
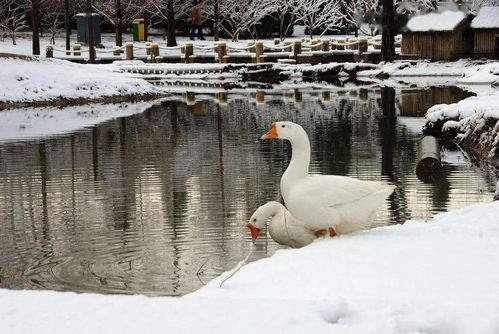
(277, 41)
(251, 46)
(148, 48)
(290, 44)
(259, 52)
(325, 45)
(297, 49)
(260, 96)
(129, 51)
(222, 51)
(189, 52)
(116, 51)
(340, 41)
(154, 51)
(49, 51)
(76, 47)
(362, 45)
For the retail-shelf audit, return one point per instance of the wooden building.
(486, 33)
(444, 35)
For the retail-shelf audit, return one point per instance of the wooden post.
(189, 52)
(277, 41)
(429, 166)
(326, 96)
(49, 51)
(258, 52)
(222, 51)
(154, 51)
(117, 51)
(325, 45)
(129, 51)
(298, 96)
(333, 46)
(340, 41)
(90, 33)
(290, 44)
(260, 96)
(76, 48)
(362, 45)
(148, 48)
(297, 49)
(221, 97)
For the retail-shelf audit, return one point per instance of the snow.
(30, 123)
(420, 277)
(446, 20)
(482, 74)
(487, 17)
(50, 79)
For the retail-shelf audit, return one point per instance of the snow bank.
(45, 80)
(437, 277)
(474, 120)
(485, 74)
(29, 123)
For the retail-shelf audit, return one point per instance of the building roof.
(446, 20)
(487, 17)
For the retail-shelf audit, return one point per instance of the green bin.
(138, 30)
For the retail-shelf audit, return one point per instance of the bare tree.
(12, 18)
(169, 11)
(53, 17)
(285, 13)
(324, 14)
(388, 26)
(362, 14)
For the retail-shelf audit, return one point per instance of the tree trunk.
(35, 13)
(90, 33)
(146, 24)
(216, 19)
(388, 24)
(170, 28)
(67, 26)
(118, 24)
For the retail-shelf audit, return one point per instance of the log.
(429, 165)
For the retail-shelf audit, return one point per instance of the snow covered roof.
(487, 17)
(436, 21)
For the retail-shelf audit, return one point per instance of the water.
(154, 203)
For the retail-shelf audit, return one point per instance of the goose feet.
(332, 232)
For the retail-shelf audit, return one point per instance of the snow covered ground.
(50, 79)
(421, 277)
(473, 121)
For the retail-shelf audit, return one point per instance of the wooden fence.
(299, 52)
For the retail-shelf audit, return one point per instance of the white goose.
(283, 227)
(325, 201)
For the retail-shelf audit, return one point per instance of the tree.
(284, 13)
(169, 11)
(362, 14)
(388, 26)
(52, 18)
(324, 14)
(12, 18)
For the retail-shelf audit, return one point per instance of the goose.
(283, 227)
(325, 202)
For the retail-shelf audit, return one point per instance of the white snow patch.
(436, 277)
(50, 79)
(486, 18)
(446, 20)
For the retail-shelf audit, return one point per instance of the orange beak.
(255, 231)
(271, 134)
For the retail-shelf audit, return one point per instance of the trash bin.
(81, 25)
(138, 30)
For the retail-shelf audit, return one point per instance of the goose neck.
(300, 157)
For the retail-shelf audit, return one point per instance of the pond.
(155, 202)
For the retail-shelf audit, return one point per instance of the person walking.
(196, 21)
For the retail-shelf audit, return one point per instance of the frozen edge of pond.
(417, 277)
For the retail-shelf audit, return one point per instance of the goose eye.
(254, 220)
(283, 126)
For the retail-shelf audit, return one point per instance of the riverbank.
(29, 81)
(437, 276)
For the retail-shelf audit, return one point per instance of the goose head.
(285, 130)
(261, 215)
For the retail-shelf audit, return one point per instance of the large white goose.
(283, 227)
(325, 201)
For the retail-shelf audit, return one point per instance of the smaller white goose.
(283, 227)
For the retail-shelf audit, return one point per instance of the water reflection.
(154, 202)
